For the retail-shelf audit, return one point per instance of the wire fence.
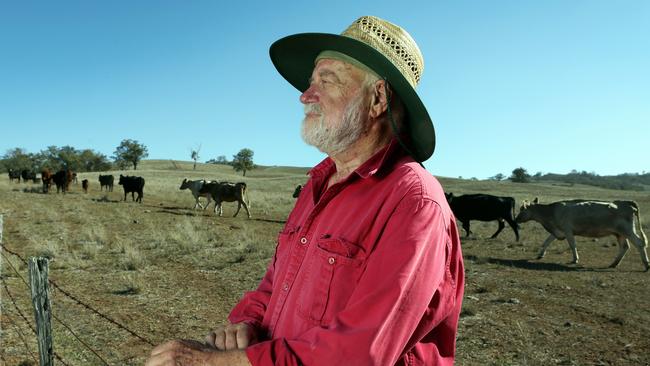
(4, 250)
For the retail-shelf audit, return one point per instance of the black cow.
(62, 179)
(132, 184)
(228, 192)
(106, 181)
(28, 175)
(296, 193)
(483, 207)
(14, 174)
(84, 185)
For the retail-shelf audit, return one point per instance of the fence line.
(97, 312)
(4, 283)
(16, 328)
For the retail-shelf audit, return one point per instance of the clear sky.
(549, 85)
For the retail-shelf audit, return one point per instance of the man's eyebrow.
(327, 73)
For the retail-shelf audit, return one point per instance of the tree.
(243, 161)
(129, 151)
(520, 175)
(195, 156)
(498, 177)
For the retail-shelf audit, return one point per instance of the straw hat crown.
(393, 42)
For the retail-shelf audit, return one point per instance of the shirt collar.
(381, 160)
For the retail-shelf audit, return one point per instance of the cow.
(132, 184)
(62, 179)
(74, 178)
(84, 185)
(46, 178)
(483, 207)
(228, 192)
(106, 181)
(594, 219)
(28, 175)
(14, 174)
(195, 187)
(297, 191)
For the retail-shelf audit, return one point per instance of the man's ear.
(379, 100)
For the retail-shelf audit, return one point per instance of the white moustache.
(312, 108)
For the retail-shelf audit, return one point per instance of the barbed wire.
(4, 283)
(93, 310)
(17, 329)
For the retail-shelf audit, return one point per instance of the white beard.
(333, 141)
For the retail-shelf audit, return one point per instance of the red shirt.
(367, 272)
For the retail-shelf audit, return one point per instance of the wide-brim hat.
(380, 45)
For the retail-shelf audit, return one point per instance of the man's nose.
(309, 96)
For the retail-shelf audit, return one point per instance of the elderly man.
(368, 268)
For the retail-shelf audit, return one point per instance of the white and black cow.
(594, 219)
(195, 187)
(483, 207)
(228, 192)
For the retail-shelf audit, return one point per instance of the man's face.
(335, 112)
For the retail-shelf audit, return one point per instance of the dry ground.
(164, 270)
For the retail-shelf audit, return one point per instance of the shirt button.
(331, 260)
(303, 240)
(285, 286)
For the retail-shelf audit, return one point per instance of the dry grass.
(165, 270)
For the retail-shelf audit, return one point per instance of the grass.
(166, 270)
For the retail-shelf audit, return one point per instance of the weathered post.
(38, 274)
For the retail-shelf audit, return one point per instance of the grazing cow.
(296, 193)
(594, 219)
(62, 179)
(14, 174)
(483, 207)
(132, 184)
(46, 177)
(106, 181)
(84, 185)
(229, 192)
(195, 187)
(28, 175)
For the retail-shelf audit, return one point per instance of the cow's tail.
(637, 213)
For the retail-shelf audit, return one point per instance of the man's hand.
(183, 352)
(231, 337)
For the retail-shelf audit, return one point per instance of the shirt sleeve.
(405, 292)
(251, 307)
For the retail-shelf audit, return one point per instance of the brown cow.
(593, 219)
(46, 178)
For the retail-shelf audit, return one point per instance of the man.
(368, 268)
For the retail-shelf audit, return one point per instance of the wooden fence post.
(38, 274)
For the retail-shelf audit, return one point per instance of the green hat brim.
(294, 56)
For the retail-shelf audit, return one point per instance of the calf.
(195, 187)
(229, 192)
(28, 175)
(46, 177)
(84, 185)
(483, 207)
(106, 181)
(62, 179)
(132, 185)
(594, 219)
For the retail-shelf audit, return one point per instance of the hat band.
(345, 58)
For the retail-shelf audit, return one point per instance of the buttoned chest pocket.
(331, 274)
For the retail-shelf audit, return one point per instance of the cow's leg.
(501, 226)
(623, 246)
(572, 244)
(466, 227)
(246, 208)
(547, 242)
(641, 245)
(238, 208)
(514, 227)
(209, 199)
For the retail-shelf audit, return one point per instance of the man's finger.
(220, 339)
(231, 339)
(243, 337)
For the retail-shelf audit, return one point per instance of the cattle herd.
(562, 219)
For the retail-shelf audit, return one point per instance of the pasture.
(164, 270)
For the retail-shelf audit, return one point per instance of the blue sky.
(545, 85)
